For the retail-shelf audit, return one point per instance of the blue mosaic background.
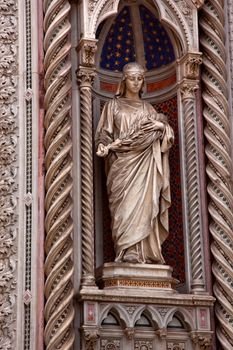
(157, 44)
(119, 46)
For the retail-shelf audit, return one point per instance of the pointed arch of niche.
(160, 91)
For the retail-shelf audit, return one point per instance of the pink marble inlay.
(90, 312)
(203, 318)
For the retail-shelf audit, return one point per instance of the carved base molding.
(125, 275)
(119, 282)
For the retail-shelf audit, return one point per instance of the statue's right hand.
(152, 125)
(102, 151)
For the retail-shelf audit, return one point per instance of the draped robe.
(137, 176)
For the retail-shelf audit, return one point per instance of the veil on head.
(131, 67)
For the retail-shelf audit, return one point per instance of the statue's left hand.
(102, 150)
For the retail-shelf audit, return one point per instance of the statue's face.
(134, 82)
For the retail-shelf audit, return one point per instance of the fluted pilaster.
(219, 166)
(59, 291)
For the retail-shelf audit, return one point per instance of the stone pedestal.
(137, 276)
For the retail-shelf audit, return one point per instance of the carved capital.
(162, 333)
(163, 311)
(129, 331)
(91, 5)
(189, 65)
(90, 336)
(87, 49)
(192, 67)
(188, 89)
(85, 77)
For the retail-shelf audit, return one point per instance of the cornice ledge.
(169, 299)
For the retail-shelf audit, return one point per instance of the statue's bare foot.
(148, 261)
(132, 258)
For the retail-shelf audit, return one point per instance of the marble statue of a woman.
(135, 141)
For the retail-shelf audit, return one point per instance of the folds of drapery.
(138, 184)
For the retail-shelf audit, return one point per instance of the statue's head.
(130, 69)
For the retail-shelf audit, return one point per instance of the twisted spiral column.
(85, 79)
(219, 167)
(197, 271)
(59, 291)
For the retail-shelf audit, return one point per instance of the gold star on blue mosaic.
(157, 44)
(119, 46)
(119, 43)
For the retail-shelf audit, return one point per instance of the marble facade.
(49, 291)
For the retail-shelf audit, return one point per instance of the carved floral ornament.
(129, 331)
(87, 49)
(203, 340)
(8, 172)
(91, 336)
(110, 344)
(189, 65)
(85, 77)
(162, 333)
(175, 346)
(192, 67)
(188, 89)
(92, 4)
